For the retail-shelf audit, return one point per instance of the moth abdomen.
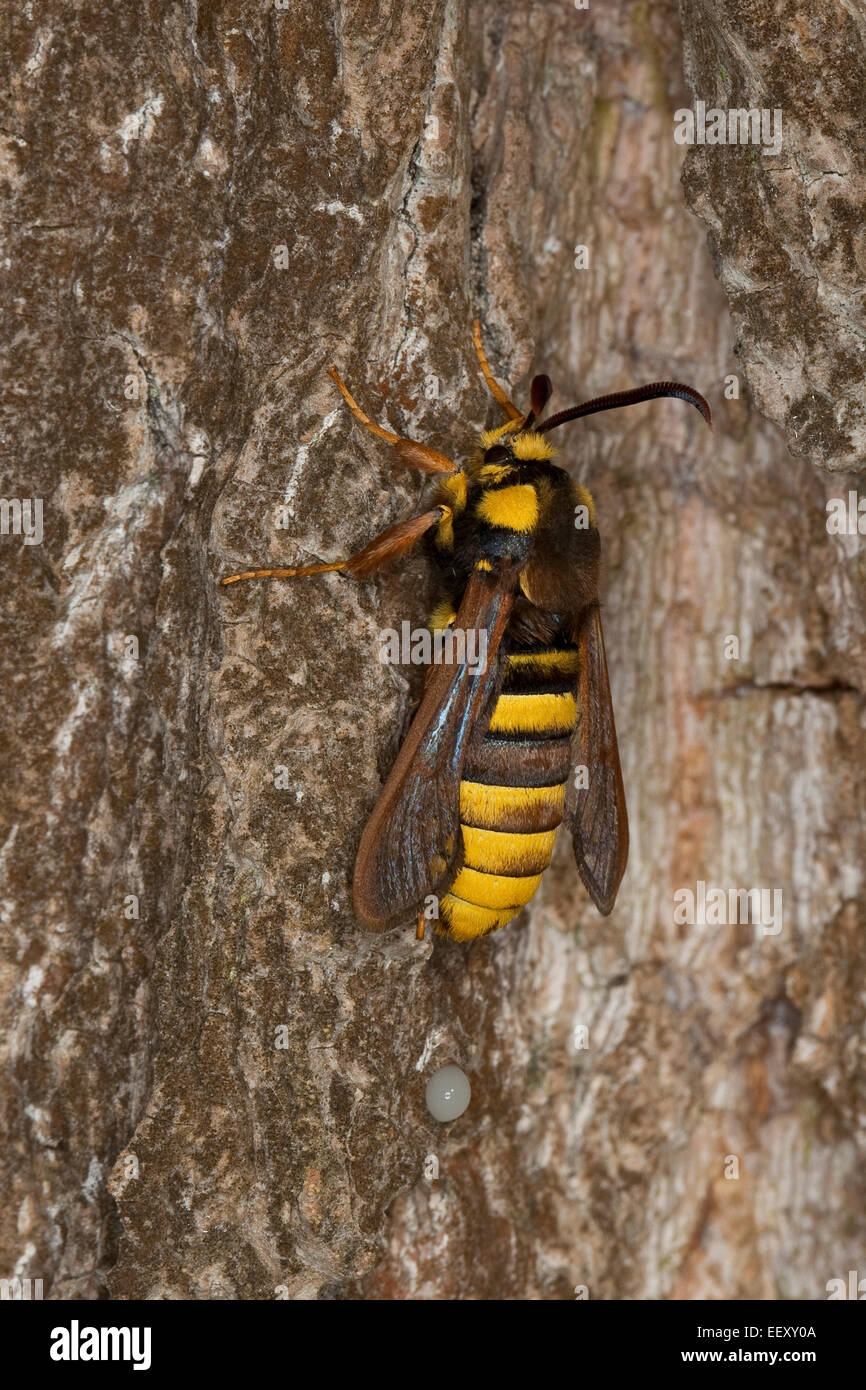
(512, 792)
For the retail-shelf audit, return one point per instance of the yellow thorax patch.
(512, 508)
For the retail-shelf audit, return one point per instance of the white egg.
(448, 1093)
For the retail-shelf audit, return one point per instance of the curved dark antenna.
(540, 393)
(616, 399)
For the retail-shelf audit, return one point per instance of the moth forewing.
(410, 848)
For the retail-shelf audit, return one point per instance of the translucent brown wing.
(411, 843)
(596, 814)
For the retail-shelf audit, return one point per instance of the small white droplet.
(448, 1093)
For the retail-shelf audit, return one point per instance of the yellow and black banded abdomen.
(512, 793)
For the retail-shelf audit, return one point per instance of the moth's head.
(519, 440)
(512, 444)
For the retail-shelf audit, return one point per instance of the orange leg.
(397, 539)
(391, 544)
(409, 451)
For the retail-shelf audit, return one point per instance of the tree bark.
(786, 231)
(223, 1095)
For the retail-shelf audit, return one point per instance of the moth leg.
(388, 435)
(493, 386)
(391, 544)
(419, 930)
(409, 451)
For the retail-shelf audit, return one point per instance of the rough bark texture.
(786, 230)
(166, 394)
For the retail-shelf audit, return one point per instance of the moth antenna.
(540, 393)
(653, 391)
(493, 386)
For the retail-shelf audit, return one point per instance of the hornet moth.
(485, 776)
